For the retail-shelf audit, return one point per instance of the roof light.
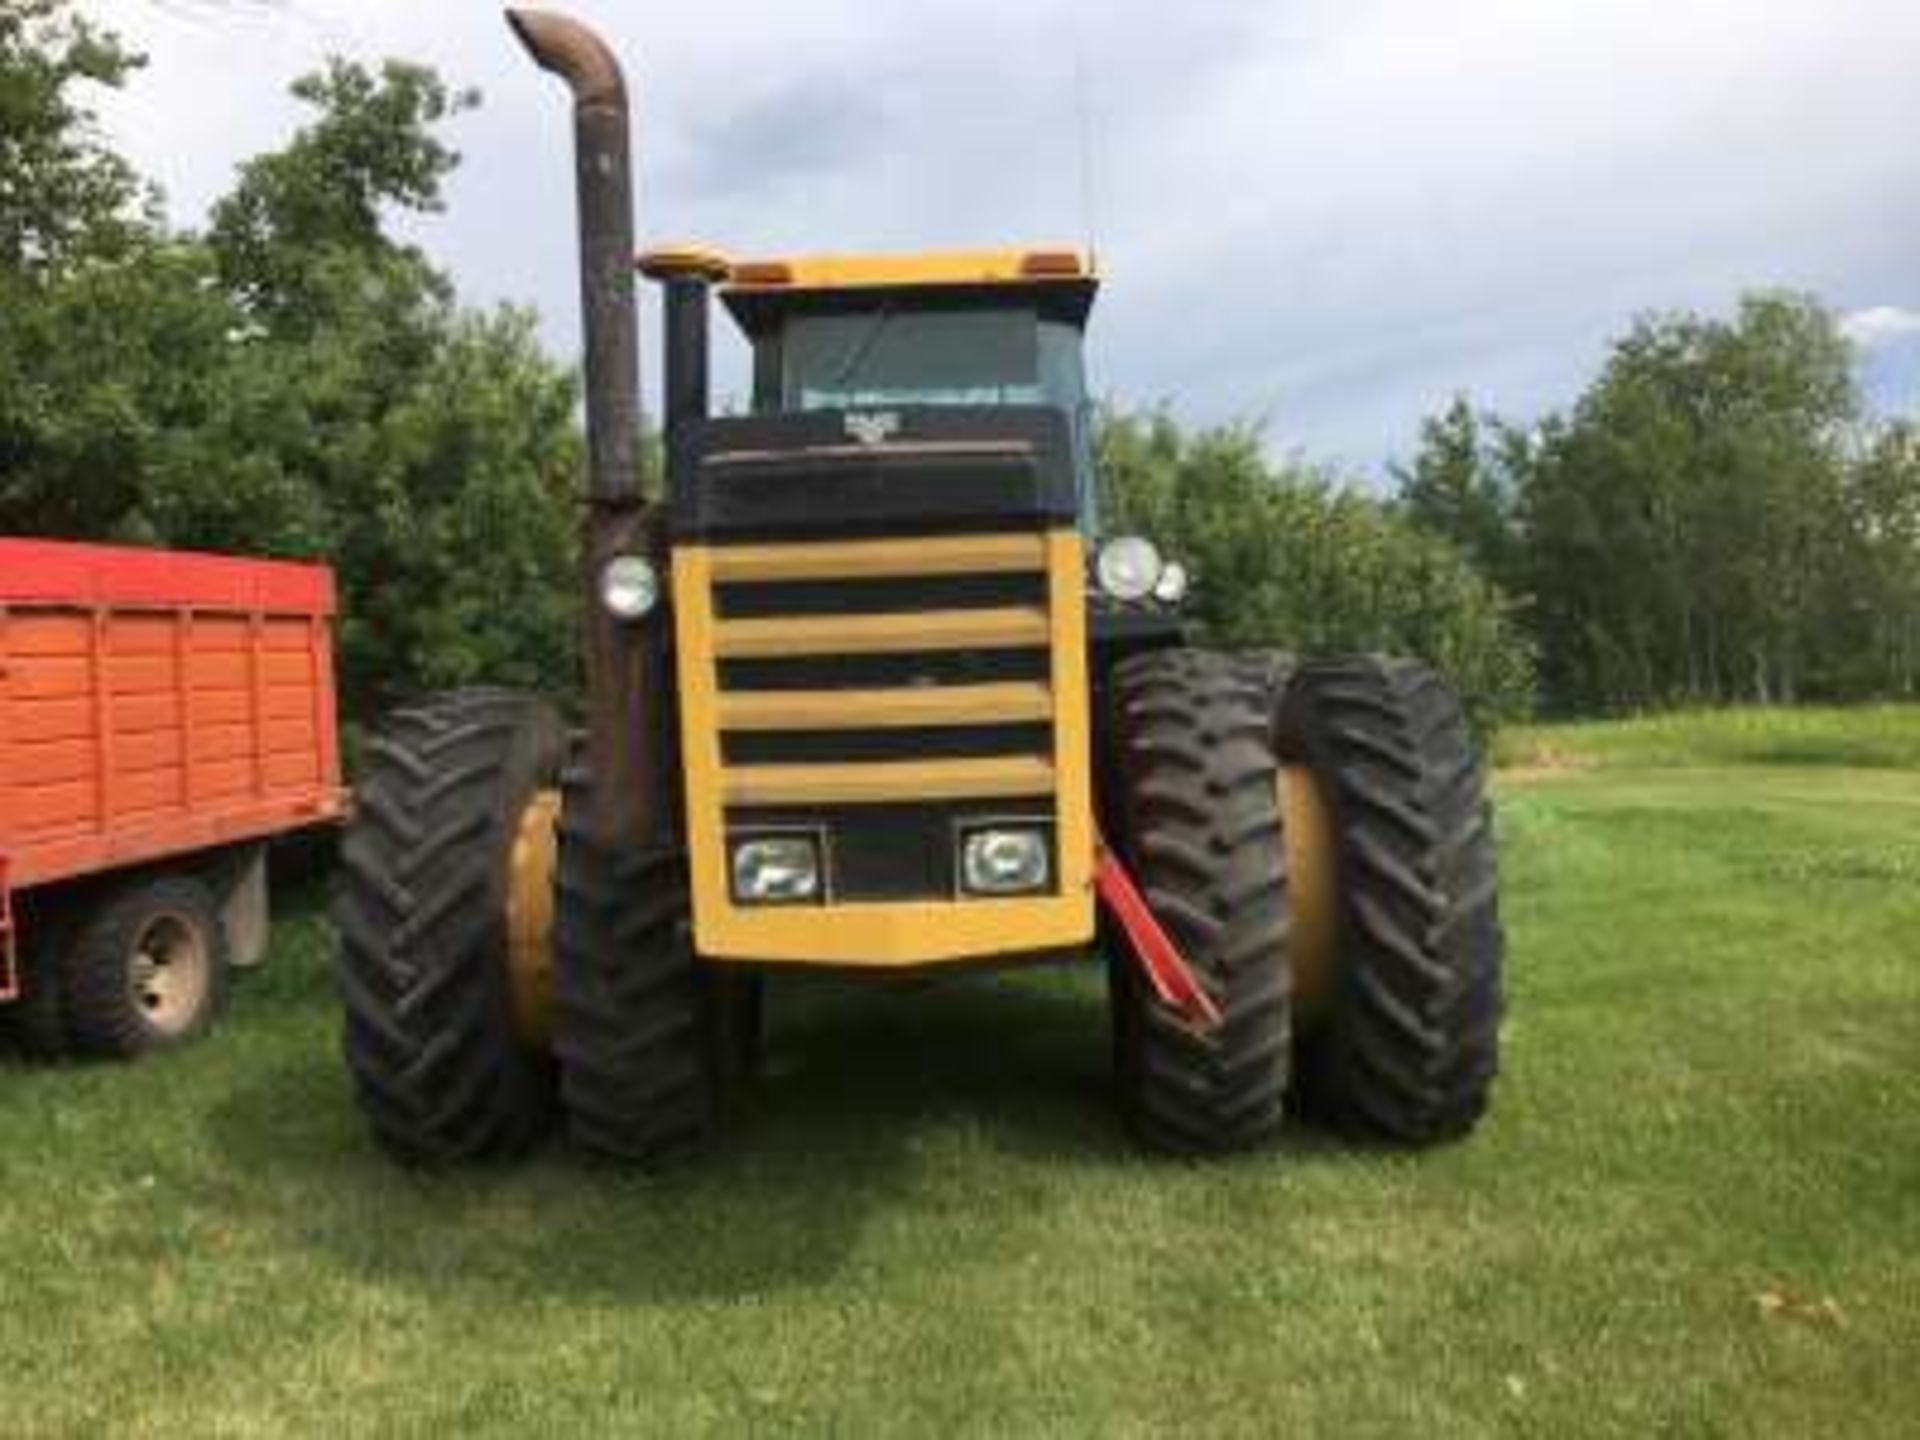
(1042, 263)
(763, 272)
(684, 262)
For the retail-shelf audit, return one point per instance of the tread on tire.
(35, 1024)
(637, 1014)
(100, 1014)
(1409, 1048)
(438, 1068)
(1200, 828)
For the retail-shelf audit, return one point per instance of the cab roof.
(1062, 283)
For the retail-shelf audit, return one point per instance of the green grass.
(929, 1221)
(1868, 736)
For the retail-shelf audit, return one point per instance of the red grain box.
(155, 707)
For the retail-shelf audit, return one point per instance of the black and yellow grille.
(885, 693)
(928, 724)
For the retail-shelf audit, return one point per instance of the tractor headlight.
(776, 869)
(1005, 861)
(1172, 585)
(629, 587)
(1128, 568)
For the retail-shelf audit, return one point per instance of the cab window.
(889, 356)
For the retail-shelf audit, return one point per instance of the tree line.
(1715, 520)
(1711, 521)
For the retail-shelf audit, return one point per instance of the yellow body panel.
(895, 933)
(882, 559)
(898, 935)
(684, 262)
(884, 709)
(882, 780)
(880, 634)
(529, 900)
(949, 267)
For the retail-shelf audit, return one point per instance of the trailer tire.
(1201, 829)
(639, 1023)
(440, 1069)
(1408, 1050)
(147, 970)
(35, 1024)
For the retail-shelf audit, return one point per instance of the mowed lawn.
(1695, 1210)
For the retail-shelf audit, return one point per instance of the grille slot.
(1001, 628)
(899, 708)
(878, 596)
(849, 745)
(936, 670)
(890, 780)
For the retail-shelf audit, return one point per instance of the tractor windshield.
(889, 355)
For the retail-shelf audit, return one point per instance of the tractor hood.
(923, 469)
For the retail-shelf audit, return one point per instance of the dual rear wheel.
(462, 1042)
(1316, 839)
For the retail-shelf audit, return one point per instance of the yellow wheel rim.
(1313, 889)
(530, 919)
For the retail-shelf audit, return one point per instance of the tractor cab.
(877, 342)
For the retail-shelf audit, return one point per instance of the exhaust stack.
(630, 723)
(604, 170)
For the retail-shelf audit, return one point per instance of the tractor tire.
(439, 1068)
(1409, 1047)
(741, 1017)
(148, 969)
(1271, 671)
(638, 1015)
(1200, 827)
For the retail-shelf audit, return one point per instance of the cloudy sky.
(1326, 215)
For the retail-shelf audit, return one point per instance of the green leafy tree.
(304, 236)
(1684, 521)
(65, 195)
(1461, 485)
(441, 444)
(1878, 600)
(114, 337)
(298, 382)
(115, 386)
(1283, 555)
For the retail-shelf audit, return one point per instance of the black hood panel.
(887, 470)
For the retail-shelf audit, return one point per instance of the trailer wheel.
(442, 1068)
(1201, 829)
(641, 1025)
(147, 970)
(1408, 1045)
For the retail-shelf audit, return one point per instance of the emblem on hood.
(872, 427)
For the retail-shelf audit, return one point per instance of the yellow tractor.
(869, 689)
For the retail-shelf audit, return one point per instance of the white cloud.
(1879, 325)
